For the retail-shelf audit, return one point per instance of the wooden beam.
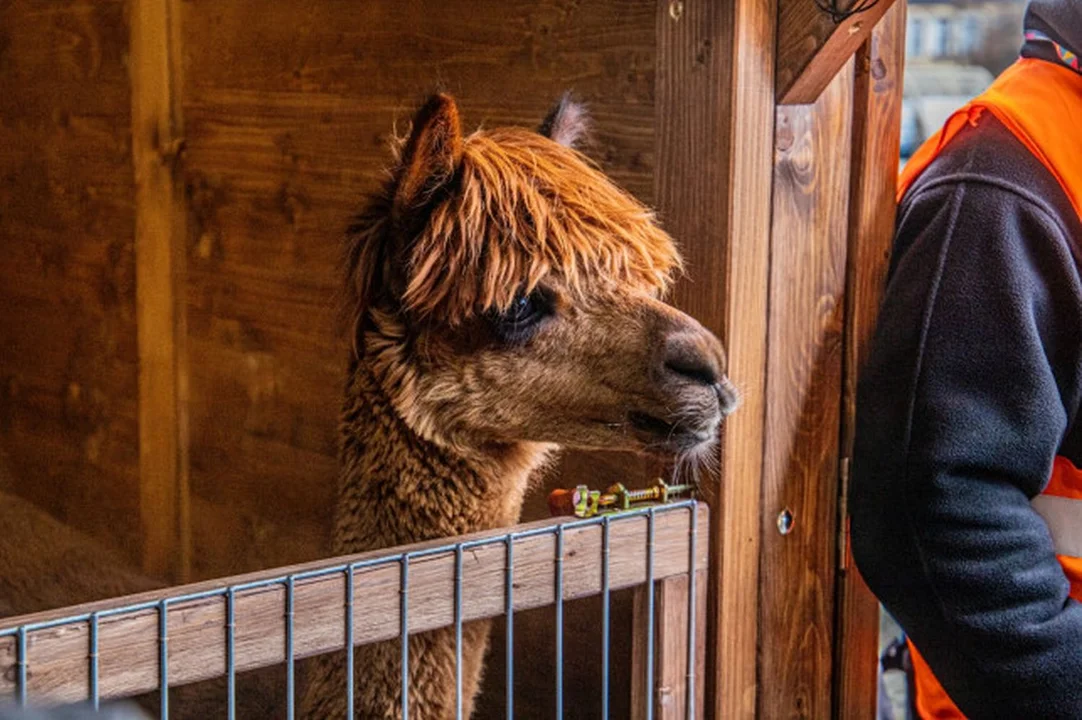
(812, 47)
(160, 246)
(670, 648)
(877, 104)
(128, 643)
(804, 369)
(714, 135)
(744, 193)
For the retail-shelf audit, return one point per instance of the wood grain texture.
(68, 352)
(747, 188)
(670, 671)
(812, 48)
(673, 615)
(877, 101)
(715, 114)
(128, 643)
(160, 249)
(807, 287)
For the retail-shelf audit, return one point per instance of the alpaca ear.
(567, 123)
(431, 154)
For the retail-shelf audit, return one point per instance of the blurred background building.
(953, 51)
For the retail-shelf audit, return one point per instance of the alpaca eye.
(518, 322)
(522, 309)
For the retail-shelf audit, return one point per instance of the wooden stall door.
(836, 160)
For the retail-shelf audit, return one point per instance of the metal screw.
(676, 9)
(785, 522)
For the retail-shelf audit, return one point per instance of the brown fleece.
(450, 407)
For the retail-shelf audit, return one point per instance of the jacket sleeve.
(971, 385)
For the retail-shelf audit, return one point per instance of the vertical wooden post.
(877, 100)
(714, 133)
(800, 470)
(670, 649)
(160, 247)
(747, 189)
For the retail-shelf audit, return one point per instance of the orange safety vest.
(1041, 104)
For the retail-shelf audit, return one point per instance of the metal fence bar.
(95, 691)
(458, 632)
(24, 662)
(559, 622)
(692, 538)
(163, 657)
(510, 609)
(650, 615)
(291, 670)
(605, 592)
(231, 653)
(404, 595)
(350, 701)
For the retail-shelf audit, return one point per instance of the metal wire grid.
(229, 593)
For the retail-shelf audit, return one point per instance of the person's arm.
(971, 385)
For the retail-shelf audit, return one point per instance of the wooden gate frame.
(770, 135)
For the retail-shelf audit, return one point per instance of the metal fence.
(157, 641)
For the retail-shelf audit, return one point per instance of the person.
(966, 497)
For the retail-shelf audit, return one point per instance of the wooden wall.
(175, 176)
(68, 353)
(286, 110)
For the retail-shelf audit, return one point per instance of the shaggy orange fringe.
(521, 208)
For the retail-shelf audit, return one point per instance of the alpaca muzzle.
(693, 394)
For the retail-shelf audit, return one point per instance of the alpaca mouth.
(665, 436)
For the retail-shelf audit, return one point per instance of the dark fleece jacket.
(972, 387)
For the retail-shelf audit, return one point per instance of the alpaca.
(504, 299)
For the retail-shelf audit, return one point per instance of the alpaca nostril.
(728, 396)
(693, 367)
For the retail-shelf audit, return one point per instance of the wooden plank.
(160, 248)
(128, 643)
(812, 47)
(639, 666)
(702, 648)
(670, 643)
(714, 118)
(807, 286)
(877, 99)
(68, 363)
(672, 648)
(747, 189)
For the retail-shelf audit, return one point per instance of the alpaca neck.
(397, 487)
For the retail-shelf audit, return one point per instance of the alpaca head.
(503, 290)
